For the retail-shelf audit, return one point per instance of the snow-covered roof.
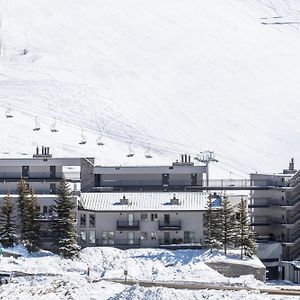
(143, 201)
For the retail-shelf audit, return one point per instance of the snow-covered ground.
(182, 76)
(56, 278)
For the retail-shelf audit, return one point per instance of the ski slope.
(180, 76)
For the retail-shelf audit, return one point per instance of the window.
(82, 220)
(50, 210)
(92, 237)
(92, 221)
(130, 238)
(25, 171)
(153, 235)
(189, 237)
(153, 217)
(97, 180)
(144, 236)
(108, 237)
(45, 209)
(52, 188)
(83, 236)
(144, 217)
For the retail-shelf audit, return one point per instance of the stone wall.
(236, 270)
(87, 174)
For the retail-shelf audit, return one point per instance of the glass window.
(130, 237)
(108, 237)
(92, 221)
(153, 217)
(83, 236)
(144, 217)
(92, 236)
(153, 235)
(82, 220)
(144, 236)
(50, 210)
(45, 209)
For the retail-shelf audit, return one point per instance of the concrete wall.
(87, 174)
(236, 270)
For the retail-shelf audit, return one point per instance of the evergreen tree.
(7, 227)
(32, 226)
(212, 225)
(227, 223)
(22, 199)
(65, 242)
(245, 236)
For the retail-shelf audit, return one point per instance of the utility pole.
(206, 157)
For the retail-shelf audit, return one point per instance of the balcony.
(128, 225)
(171, 225)
(260, 221)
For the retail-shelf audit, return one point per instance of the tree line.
(226, 228)
(24, 227)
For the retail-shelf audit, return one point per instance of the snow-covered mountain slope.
(182, 76)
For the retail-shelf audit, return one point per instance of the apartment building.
(275, 215)
(42, 173)
(180, 176)
(143, 219)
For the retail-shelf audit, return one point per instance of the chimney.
(43, 150)
(182, 158)
(37, 150)
(291, 165)
(189, 158)
(185, 158)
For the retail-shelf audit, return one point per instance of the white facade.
(141, 219)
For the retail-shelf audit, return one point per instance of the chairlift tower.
(206, 157)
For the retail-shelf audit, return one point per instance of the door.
(130, 219)
(130, 238)
(167, 238)
(194, 179)
(167, 219)
(165, 179)
(25, 171)
(52, 171)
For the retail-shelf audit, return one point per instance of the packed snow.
(55, 278)
(180, 76)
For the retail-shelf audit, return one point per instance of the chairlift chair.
(53, 127)
(37, 125)
(131, 153)
(8, 113)
(147, 153)
(83, 139)
(99, 141)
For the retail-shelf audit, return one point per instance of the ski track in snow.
(182, 77)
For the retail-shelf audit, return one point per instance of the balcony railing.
(128, 225)
(171, 225)
(119, 242)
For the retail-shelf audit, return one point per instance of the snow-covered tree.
(32, 226)
(245, 237)
(22, 200)
(227, 223)
(64, 230)
(7, 226)
(212, 233)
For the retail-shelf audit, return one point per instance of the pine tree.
(22, 200)
(7, 227)
(65, 242)
(212, 226)
(245, 236)
(227, 223)
(32, 226)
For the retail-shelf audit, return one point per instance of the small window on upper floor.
(45, 209)
(144, 217)
(82, 220)
(92, 220)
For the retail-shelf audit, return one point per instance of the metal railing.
(128, 225)
(119, 242)
(171, 225)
